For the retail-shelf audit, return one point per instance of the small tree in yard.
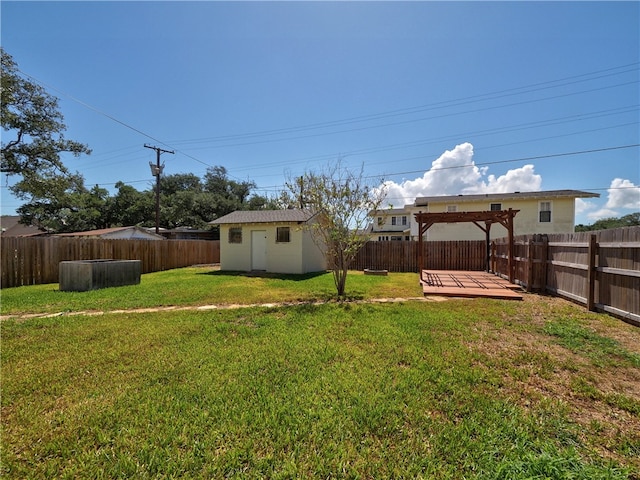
(341, 201)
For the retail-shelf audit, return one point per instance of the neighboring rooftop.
(388, 211)
(264, 216)
(422, 201)
(10, 226)
(129, 232)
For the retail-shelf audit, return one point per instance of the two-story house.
(390, 224)
(551, 211)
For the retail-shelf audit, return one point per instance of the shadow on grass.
(261, 274)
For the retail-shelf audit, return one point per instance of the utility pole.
(156, 171)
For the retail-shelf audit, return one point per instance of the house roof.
(103, 232)
(388, 211)
(423, 201)
(265, 216)
(10, 226)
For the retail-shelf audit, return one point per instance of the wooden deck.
(455, 283)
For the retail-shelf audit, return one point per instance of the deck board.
(455, 283)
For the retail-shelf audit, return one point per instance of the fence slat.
(402, 256)
(603, 274)
(35, 260)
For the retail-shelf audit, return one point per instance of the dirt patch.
(26, 316)
(601, 400)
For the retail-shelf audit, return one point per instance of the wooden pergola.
(483, 220)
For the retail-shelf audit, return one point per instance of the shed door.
(258, 250)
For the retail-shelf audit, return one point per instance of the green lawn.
(481, 389)
(199, 286)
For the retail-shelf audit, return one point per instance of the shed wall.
(299, 255)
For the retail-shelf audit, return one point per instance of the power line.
(376, 116)
(420, 108)
(522, 159)
(513, 160)
(486, 132)
(110, 117)
(414, 120)
(619, 70)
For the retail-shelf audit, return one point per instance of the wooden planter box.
(84, 275)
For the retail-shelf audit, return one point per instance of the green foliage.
(32, 138)
(631, 220)
(131, 207)
(188, 201)
(33, 146)
(341, 200)
(71, 210)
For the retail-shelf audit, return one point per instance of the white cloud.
(623, 194)
(455, 172)
(583, 206)
(602, 213)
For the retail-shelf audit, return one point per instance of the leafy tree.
(74, 208)
(187, 208)
(180, 182)
(188, 201)
(229, 195)
(282, 201)
(131, 207)
(633, 219)
(341, 201)
(33, 140)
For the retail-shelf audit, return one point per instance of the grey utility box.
(84, 275)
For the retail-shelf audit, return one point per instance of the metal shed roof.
(265, 216)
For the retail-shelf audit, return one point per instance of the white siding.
(300, 255)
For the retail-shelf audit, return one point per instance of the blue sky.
(432, 97)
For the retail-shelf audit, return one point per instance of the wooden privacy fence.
(35, 260)
(600, 270)
(402, 256)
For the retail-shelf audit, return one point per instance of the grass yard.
(206, 285)
(481, 389)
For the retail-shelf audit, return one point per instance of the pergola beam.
(503, 217)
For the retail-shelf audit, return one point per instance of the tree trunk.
(340, 278)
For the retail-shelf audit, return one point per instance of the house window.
(545, 212)
(283, 235)
(452, 208)
(380, 221)
(396, 238)
(496, 207)
(404, 220)
(235, 235)
(393, 220)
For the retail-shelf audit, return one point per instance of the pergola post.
(487, 237)
(504, 217)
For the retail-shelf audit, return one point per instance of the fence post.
(530, 264)
(544, 257)
(591, 273)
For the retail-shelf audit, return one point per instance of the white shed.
(269, 240)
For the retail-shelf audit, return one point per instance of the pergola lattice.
(488, 218)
